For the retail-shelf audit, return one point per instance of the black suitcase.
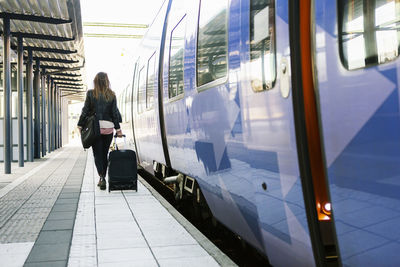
(122, 169)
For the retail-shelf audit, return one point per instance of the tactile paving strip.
(52, 246)
(17, 197)
(24, 209)
(83, 247)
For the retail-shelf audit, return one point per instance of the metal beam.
(60, 68)
(36, 89)
(47, 49)
(56, 60)
(42, 36)
(34, 18)
(69, 83)
(66, 79)
(7, 95)
(62, 74)
(70, 87)
(20, 88)
(29, 96)
(71, 94)
(72, 90)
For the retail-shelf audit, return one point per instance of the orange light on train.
(326, 208)
(324, 211)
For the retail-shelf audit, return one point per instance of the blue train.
(282, 117)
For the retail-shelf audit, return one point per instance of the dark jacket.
(105, 110)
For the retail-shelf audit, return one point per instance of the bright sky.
(114, 55)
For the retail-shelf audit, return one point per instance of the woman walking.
(102, 100)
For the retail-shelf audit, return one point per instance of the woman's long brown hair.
(102, 87)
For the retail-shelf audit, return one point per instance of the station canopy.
(52, 30)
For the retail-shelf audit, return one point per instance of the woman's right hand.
(119, 133)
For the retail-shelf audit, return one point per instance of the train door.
(357, 76)
(174, 103)
(267, 131)
(148, 128)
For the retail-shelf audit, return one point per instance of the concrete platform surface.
(53, 214)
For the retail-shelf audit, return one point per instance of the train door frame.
(131, 115)
(301, 30)
(160, 103)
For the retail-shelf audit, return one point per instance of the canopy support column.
(37, 110)
(49, 90)
(58, 121)
(61, 117)
(54, 116)
(7, 95)
(43, 94)
(20, 88)
(29, 96)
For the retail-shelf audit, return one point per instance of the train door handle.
(284, 79)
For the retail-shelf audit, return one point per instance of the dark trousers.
(100, 152)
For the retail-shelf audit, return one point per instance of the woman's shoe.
(98, 184)
(103, 184)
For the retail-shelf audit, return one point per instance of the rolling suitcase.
(122, 168)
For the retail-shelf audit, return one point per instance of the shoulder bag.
(90, 131)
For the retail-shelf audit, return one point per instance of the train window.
(141, 91)
(151, 79)
(212, 41)
(262, 45)
(176, 57)
(369, 32)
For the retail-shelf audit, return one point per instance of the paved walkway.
(55, 215)
(27, 198)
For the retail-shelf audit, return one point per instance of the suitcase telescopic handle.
(115, 141)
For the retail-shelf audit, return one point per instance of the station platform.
(53, 214)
